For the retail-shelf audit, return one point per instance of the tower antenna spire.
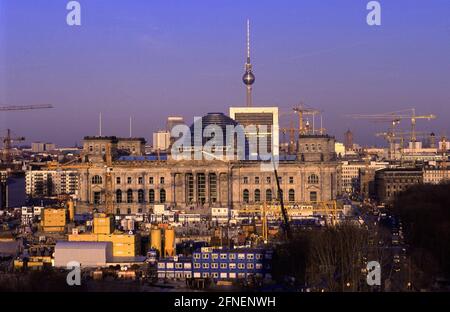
(249, 77)
(248, 41)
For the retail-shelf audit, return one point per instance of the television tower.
(248, 77)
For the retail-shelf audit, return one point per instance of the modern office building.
(265, 120)
(232, 264)
(219, 264)
(51, 182)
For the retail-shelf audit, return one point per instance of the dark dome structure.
(216, 119)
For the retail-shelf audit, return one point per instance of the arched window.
(151, 196)
(257, 196)
(313, 179)
(118, 196)
(140, 196)
(96, 179)
(130, 196)
(291, 196)
(268, 195)
(245, 196)
(162, 196)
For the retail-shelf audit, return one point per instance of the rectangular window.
(150, 180)
(129, 180)
(313, 197)
(96, 198)
(245, 180)
(161, 180)
(140, 180)
(268, 180)
(256, 180)
(118, 180)
(291, 180)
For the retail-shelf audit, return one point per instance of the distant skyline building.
(173, 121)
(161, 140)
(348, 140)
(40, 147)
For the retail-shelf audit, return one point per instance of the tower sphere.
(248, 78)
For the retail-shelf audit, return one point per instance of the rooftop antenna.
(130, 127)
(249, 77)
(100, 124)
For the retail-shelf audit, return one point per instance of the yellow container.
(54, 219)
(169, 242)
(103, 224)
(156, 240)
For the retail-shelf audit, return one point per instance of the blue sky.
(151, 59)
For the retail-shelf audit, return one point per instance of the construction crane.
(303, 110)
(7, 142)
(287, 229)
(24, 107)
(391, 138)
(291, 130)
(396, 117)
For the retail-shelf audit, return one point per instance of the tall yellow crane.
(303, 110)
(291, 131)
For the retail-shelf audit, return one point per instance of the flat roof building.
(265, 119)
(88, 254)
